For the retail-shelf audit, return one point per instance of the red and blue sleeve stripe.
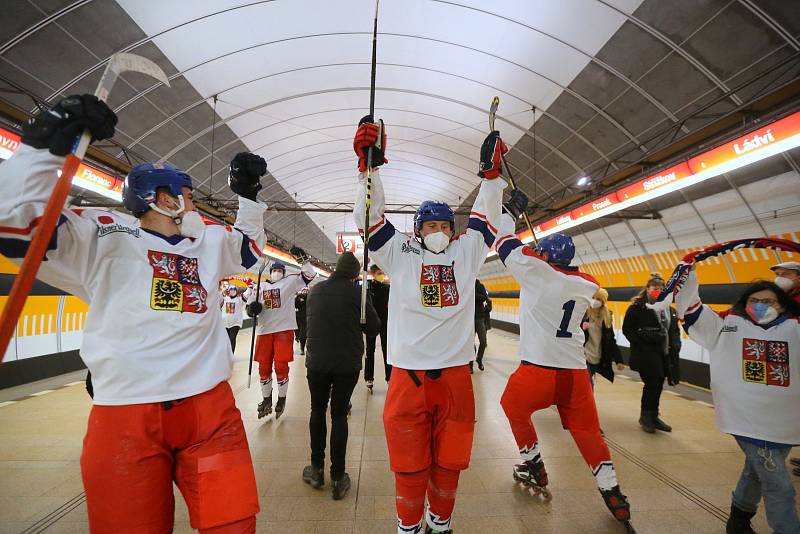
(479, 222)
(250, 251)
(691, 316)
(382, 236)
(14, 242)
(505, 245)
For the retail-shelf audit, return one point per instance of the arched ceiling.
(291, 79)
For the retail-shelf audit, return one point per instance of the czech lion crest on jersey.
(437, 285)
(176, 283)
(765, 362)
(271, 299)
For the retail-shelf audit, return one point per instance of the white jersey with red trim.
(277, 298)
(233, 309)
(431, 322)
(755, 370)
(552, 302)
(153, 331)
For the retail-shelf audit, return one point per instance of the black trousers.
(338, 388)
(651, 392)
(232, 332)
(369, 360)
(480, 329)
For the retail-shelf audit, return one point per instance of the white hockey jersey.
(277, 298)
(154, 331)
(431, 322)
(755, 371)
(552, 302)
(233, 309)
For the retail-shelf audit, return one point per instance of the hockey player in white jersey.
(153, 339)
(233, 302)
(553, 299)
(429, 414)
(277, 321)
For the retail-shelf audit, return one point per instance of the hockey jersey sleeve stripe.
(21, 231)
(483, 218)
(691, 317)
(381, 237)
(250, 252)
(506, 245)
(476, 223)
(14, 247)
(374, 228)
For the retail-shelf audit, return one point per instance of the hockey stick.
(46, 224)
(492, 113)
(255, 321)
(368, 200)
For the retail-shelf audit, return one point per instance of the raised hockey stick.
(46, 224)
(492, 113)
(368, 200)
(255, 321)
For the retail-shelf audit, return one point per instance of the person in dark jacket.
(379, 291)
(655, 344)
(335, 346)
(483, 305)
(300, 312)
(600, 344)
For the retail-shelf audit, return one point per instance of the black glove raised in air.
(299, 254)
(246, 172)
(253, 309)
(58, 128)
(516, 204)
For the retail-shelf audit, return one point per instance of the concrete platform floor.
(677, 483)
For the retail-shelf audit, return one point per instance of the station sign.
(349, 242)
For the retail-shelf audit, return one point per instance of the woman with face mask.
(787, 277)
(600, 346)
(655, 344)
(754, 349)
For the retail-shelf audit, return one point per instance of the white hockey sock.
(266, 388)
(283, 387)
(408, 529)
(529, 453)
(435, 522)
(605, 475)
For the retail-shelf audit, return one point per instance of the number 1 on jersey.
(568, 308)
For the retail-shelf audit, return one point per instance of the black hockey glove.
(246, 172)
(58, 128)
(299, 254)
(492, 151)
(516, 203)
(253, 309)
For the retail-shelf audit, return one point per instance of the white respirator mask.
(276, 276)
(436, 242)
(189, 222)
(596, 303)
(784, 283)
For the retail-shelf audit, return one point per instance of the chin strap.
(175, 215)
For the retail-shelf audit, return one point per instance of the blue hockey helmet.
(431, 210)
(277, 266)
(139, 189)
(559, 247)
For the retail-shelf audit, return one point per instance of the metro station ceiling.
(291, 79)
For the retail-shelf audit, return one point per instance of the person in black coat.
(600, 343)
(379, 292)
(655, 344)
(334, 348)
(300, 313)
(483, 305)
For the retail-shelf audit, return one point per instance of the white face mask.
(784, 283)
(436, 242)
(596, 303)
(276, 276)
(191, 225)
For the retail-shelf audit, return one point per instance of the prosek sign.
(767, 141)
(86, 177)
